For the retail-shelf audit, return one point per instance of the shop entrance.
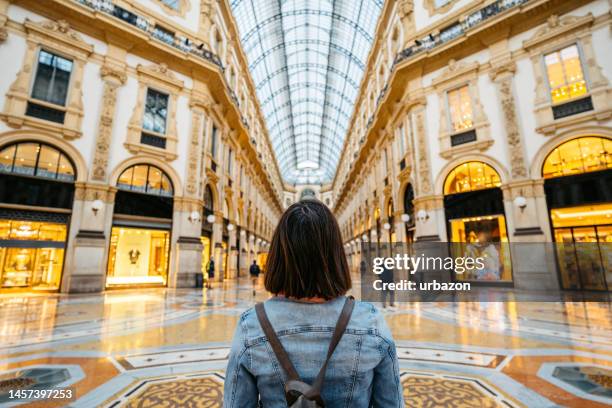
(578, 190)
(140, 237)
(138, 256)
(473, 203)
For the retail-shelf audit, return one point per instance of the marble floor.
(163, 347)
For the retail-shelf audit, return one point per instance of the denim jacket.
(362, 372)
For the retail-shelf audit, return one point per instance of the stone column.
(217, 238)
(86, 255)
(113, 79)
(244, 257)
(187, 227)
(232, 256)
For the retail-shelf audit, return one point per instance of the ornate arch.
(549, 146)
(169, 170)
(497, 166)
(49, 138)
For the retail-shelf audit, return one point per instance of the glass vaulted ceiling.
(307, 58)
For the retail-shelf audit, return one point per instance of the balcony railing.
(456, 29)
(180, 42)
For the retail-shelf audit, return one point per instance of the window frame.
(144, 112)
(43, 48)
(585, 73)
(35, 173)
(449, 118)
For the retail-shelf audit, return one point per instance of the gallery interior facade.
(144, 141)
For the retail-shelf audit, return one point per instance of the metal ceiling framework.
(307, 58)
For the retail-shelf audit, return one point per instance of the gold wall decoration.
(518, 166)
(424, 170)
(57, 37)
(192, 165)
(113, 79)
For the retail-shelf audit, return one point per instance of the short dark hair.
(306, 257)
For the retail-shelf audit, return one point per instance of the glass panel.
(156, 111)
(582, 215)
(139, 181)
(604, 234)
(564, 71)
(484, 237)
(52, 78)
(579, 155)
(589, 259)
(138, 256)
(460, 106)
(566, 256)
(6, 159)
(48, 162)
(206, 253)
(65, 170)
(471, 176)
(125, 180)
(38, 268)
(17, 267)
(154, 182)
(5, 229)
(166, 186)
(25, 162)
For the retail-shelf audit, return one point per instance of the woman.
(308, 275)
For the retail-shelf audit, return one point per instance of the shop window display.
(31, 254)
(484, 237)
(138, 256)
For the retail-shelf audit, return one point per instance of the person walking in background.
(310, 345)
(254, 272)
(211, 273)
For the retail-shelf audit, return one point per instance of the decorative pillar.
(244, 257)
(92, 213)
(232, 255)
(217, 238)
(113, 78)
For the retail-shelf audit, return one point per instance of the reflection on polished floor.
(162, 347)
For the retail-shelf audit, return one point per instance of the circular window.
(471, 176)
(582, 155)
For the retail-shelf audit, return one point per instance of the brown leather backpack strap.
(277, 347)
(343, 320)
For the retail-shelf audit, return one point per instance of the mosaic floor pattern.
(169, 348)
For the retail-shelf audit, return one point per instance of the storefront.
(207, 229)
(409, 225)
(36, 197)
(476, 222)
(142, 222)
(578, 186)
(225, 249)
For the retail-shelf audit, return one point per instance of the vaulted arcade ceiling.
(307, 58)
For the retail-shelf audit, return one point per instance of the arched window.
(145, 178)
(37, 160)
(471, 176)
(209, 205)
(582, 155)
